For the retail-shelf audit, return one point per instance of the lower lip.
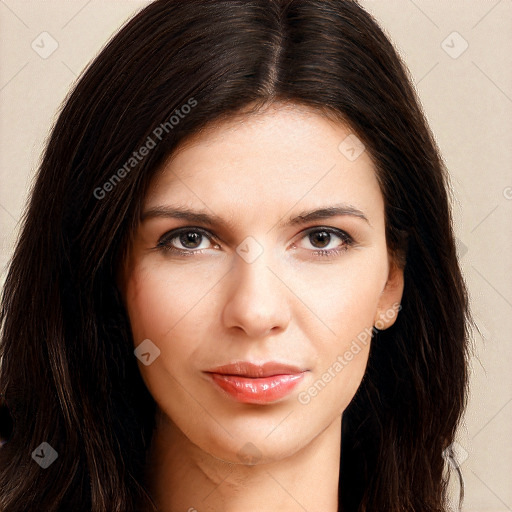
(257, 390)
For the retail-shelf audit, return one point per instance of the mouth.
(256, 384)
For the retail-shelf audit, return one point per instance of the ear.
(390, 298)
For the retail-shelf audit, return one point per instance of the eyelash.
(165, 246)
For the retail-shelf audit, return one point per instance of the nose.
(256, 300)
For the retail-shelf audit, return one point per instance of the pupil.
(190, 239)
(323, 236)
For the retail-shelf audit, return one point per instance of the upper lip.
(247, 369)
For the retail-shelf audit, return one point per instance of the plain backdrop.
(460, 59)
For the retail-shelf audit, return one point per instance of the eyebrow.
(212, 220)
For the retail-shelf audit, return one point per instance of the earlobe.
(389, 302)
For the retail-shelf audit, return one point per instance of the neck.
(183, 477)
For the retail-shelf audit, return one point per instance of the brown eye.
(320, 239)
(186, 241)
(190, 239)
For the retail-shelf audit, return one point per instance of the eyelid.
(347, 239)
(335, 231)
(175, 233)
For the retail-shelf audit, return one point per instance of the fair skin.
(285, 302)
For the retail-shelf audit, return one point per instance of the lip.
(256, 383)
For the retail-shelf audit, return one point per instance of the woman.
(236, 286)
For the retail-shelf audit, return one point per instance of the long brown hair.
(68, 371)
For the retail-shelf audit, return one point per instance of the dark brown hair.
(68, 371)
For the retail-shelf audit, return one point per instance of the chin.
(252, 450)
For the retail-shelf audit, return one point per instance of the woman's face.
(260, 278)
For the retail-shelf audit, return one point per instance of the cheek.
(172, 307)
(341, 357)
(162, 306)
(161, 301)
(342, 300)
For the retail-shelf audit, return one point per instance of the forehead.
(282, 156)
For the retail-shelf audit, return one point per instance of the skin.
(291, 304)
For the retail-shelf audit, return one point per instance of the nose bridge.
(257, 302)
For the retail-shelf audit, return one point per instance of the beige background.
(467, 97)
